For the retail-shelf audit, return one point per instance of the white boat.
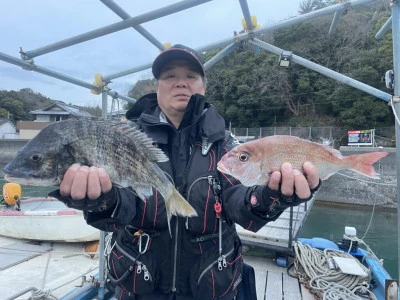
(46, 219)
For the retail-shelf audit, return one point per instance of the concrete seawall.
(8, 149)
(346, 188)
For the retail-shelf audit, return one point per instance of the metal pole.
(155, 14)
(127, 72)
(327, 72)
(102, 264)
(290, 242)
(124, 15)
(246, 14)
(335, 21)
(396, 103)
(284, 23)
(32, 67)
(384, 29)
(247, 35)
(220, 55)
(104, 105)
(116, 95)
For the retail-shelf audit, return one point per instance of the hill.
(251, 90)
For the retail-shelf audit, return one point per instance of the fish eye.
(36, 157)
(243, 157)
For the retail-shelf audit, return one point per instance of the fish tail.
(362, 163)
(178, 206)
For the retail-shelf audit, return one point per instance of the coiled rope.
(42, 294)
(312, 268)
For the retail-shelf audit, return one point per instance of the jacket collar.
(211, 125)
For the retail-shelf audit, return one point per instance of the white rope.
(370, 220)
(332, 284)
(370, 253)
(367, 181)
(42, 295)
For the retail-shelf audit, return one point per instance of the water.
(329, 222)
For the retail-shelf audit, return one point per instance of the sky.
(35, 24)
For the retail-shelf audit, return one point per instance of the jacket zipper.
(188, 197)
(173, 289)
(175, 255)
(215, 262)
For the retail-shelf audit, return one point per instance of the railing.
(336, 136)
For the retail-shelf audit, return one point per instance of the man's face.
(178, 81)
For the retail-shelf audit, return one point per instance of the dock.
(273, 282)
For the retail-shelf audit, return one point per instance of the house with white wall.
(7, 129)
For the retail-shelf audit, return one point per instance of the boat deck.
(55, 266)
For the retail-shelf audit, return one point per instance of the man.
(201, 258)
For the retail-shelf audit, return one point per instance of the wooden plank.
(272, 281)
(291, 289)
(265, 242)
(305, 293)
(263, 264)
(260, 269)
(274, 286)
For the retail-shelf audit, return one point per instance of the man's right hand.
(86, 188)
(83, 181)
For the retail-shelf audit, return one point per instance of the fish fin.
(263, 179)
(177, 205)
(143, 190)
(332, 150)
(362, 163)
(155, 154)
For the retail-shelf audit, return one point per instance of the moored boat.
(45, 219)
(342, 269)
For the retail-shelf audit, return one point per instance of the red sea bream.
(252, 162)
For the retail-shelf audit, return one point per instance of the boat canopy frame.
(228, 44)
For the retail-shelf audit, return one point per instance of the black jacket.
(189, 262)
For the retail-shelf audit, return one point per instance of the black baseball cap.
(178, 52)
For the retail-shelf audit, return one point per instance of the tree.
(3, 113)
(307, 6)
(141, 88)
(14, 106)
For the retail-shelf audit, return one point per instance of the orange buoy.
(91, 248)
(11, 193)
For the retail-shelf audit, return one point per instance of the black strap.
(207, 237)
